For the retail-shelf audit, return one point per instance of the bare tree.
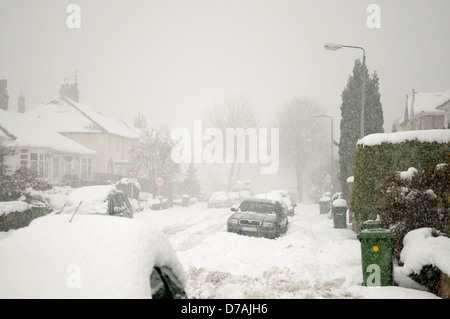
(302, 138)
(151, 155)
(235, 112)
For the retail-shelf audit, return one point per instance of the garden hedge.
(376, 161)
(16, 220)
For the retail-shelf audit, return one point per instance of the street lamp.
(332, 142)
(335, 47)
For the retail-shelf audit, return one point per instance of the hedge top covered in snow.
(440, 136)
(10, 207)
(91, 257)
(421, 249)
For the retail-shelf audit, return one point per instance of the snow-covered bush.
(379, 155)
(15, 185)
(425, 255)
(414, 199)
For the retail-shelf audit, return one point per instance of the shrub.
(21, 180)
(19, 219)
(429, 277)
(374, 162)
(414, 199)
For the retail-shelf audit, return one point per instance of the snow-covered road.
(312, 260)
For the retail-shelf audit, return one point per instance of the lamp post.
(335, 47)
(331, 172)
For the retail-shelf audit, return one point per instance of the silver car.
(258, 217)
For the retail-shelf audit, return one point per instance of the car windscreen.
(258, 207)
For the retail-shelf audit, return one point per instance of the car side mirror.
(233, 209)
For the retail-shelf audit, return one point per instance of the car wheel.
(277, 231)
(286, 228)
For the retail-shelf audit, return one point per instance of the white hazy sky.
(172, 59)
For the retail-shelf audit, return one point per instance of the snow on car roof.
(219, 196)
(92, 257)
(262, 200)
(92, 198)
(91, 193)
(270, 196)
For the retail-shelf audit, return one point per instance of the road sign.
(132, 174)
(159, 181)
(327, 179)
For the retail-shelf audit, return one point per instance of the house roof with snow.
(425, 103)
(445, 105)
(23, 130)
(67, 116)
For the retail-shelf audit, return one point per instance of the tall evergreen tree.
(351, 116)
(191, 185)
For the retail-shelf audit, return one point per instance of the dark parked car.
(258, 217)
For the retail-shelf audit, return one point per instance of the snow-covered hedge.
(379, 155)
(17, 214)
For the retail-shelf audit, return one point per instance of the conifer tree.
(351, 117)
(191, 185)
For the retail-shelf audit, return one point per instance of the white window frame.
(39, 162)
(56, 167)
(86, 168)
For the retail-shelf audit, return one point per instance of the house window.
(121, 168)
(86, 168)
(38, 163)
(68, 166)
(24, 158)
(56, 167)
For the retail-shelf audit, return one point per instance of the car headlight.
(232, 221)
(268, 224)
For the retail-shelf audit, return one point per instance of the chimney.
(4, 95)
(70, 91)
(21, 103)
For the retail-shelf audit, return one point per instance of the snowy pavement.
(312, 260)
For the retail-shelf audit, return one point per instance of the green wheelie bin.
(324, 204)
(339, 211)
(377, 251)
